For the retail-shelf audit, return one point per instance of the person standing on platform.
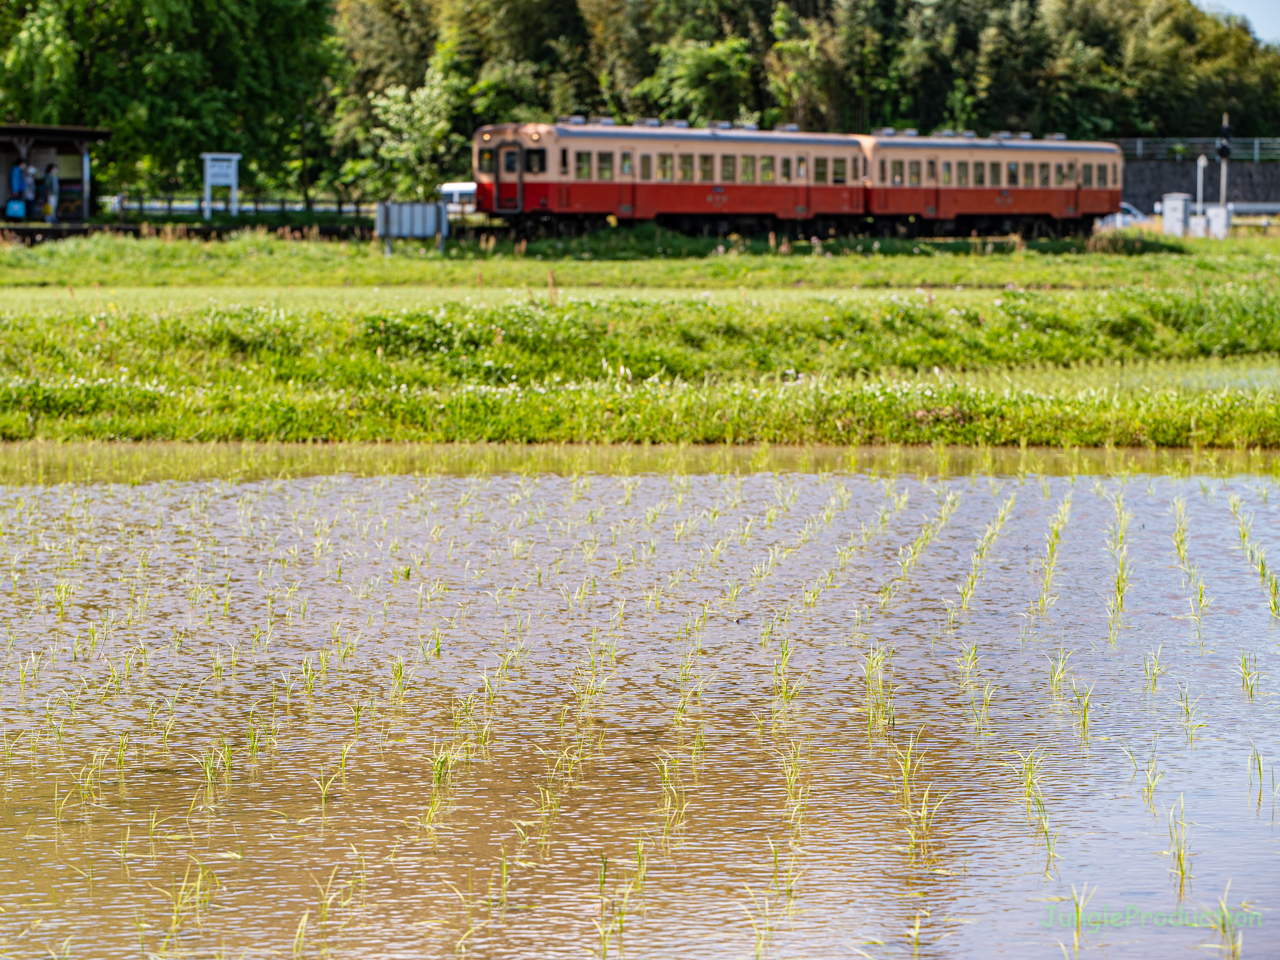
(51, 190)
(16, 208)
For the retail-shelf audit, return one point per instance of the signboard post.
(221, 170)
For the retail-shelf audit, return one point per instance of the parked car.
(1129, 216)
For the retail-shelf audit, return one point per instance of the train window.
(686, 167)
(931, 170)
(801, 172)
(582, 166)
(646, 167)
(1086, 172)
(604, 166)
(1044, 174)
(766, 169)
(1058, 176)
(979, 174)
(486, 161)
(510, 161)
(666, 167)
(1071, 172)
(1115, 177)
(625, 159)
(819, 169)
(913, 173)
(946, 173)
(1013, 175)
(706, 168)
(995, 174)
(564, 163)
(895, 168)
(837, 170)
(962, 173)
(786, 169)
(883, 178)
(748, 169)
(535, 161)
(1102, 175)
(1028, 174)
(729, 168)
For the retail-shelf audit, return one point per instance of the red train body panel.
(575, 172)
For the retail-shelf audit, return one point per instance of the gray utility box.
(411, 221)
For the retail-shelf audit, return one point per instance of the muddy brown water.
(556, 702)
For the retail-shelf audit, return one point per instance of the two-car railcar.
(573, 174)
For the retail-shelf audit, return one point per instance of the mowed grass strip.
(816, 410)
(640, 258)
(680, 370)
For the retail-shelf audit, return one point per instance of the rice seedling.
(1249, 675)
(1153, 775)
(1058, 670)
(968, 661)
(1189, 713)
(1179, 845)
(1151, 668)
(1029, 767)
(876, 666)
(1083, 697)
(1079, 904)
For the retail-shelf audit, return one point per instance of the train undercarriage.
(1029, 227)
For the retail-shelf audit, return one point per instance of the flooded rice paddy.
(563, 703)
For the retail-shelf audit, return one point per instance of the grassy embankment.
(1011, 366)
(632, 260)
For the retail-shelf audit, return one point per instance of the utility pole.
(1201, 163)
(1224, 153)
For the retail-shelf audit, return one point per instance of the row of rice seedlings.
(1198, 600)
(979, 554)
(910, 554)
(1257, 556)
(1049, 563)
(1116, 545)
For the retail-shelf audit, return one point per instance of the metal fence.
(1257, 149)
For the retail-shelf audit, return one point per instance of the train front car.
(574, 174)
(1002, 184)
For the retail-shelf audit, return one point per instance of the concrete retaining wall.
(1146, 181)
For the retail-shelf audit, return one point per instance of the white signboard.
(221, 170)
(222, 173)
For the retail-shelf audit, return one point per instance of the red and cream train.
(561, 177)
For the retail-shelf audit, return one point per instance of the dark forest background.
(368, 98)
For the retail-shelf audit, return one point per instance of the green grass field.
(1164, 348)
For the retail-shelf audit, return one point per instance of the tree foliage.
(378, 97)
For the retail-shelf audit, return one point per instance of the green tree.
(172, 78)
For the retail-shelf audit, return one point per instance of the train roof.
(649, 131)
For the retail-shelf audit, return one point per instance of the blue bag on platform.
(16, 209)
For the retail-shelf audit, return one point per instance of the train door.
(510, 177)
(932, 170)
(1073, 189)
(627, 183)
(803, 175)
